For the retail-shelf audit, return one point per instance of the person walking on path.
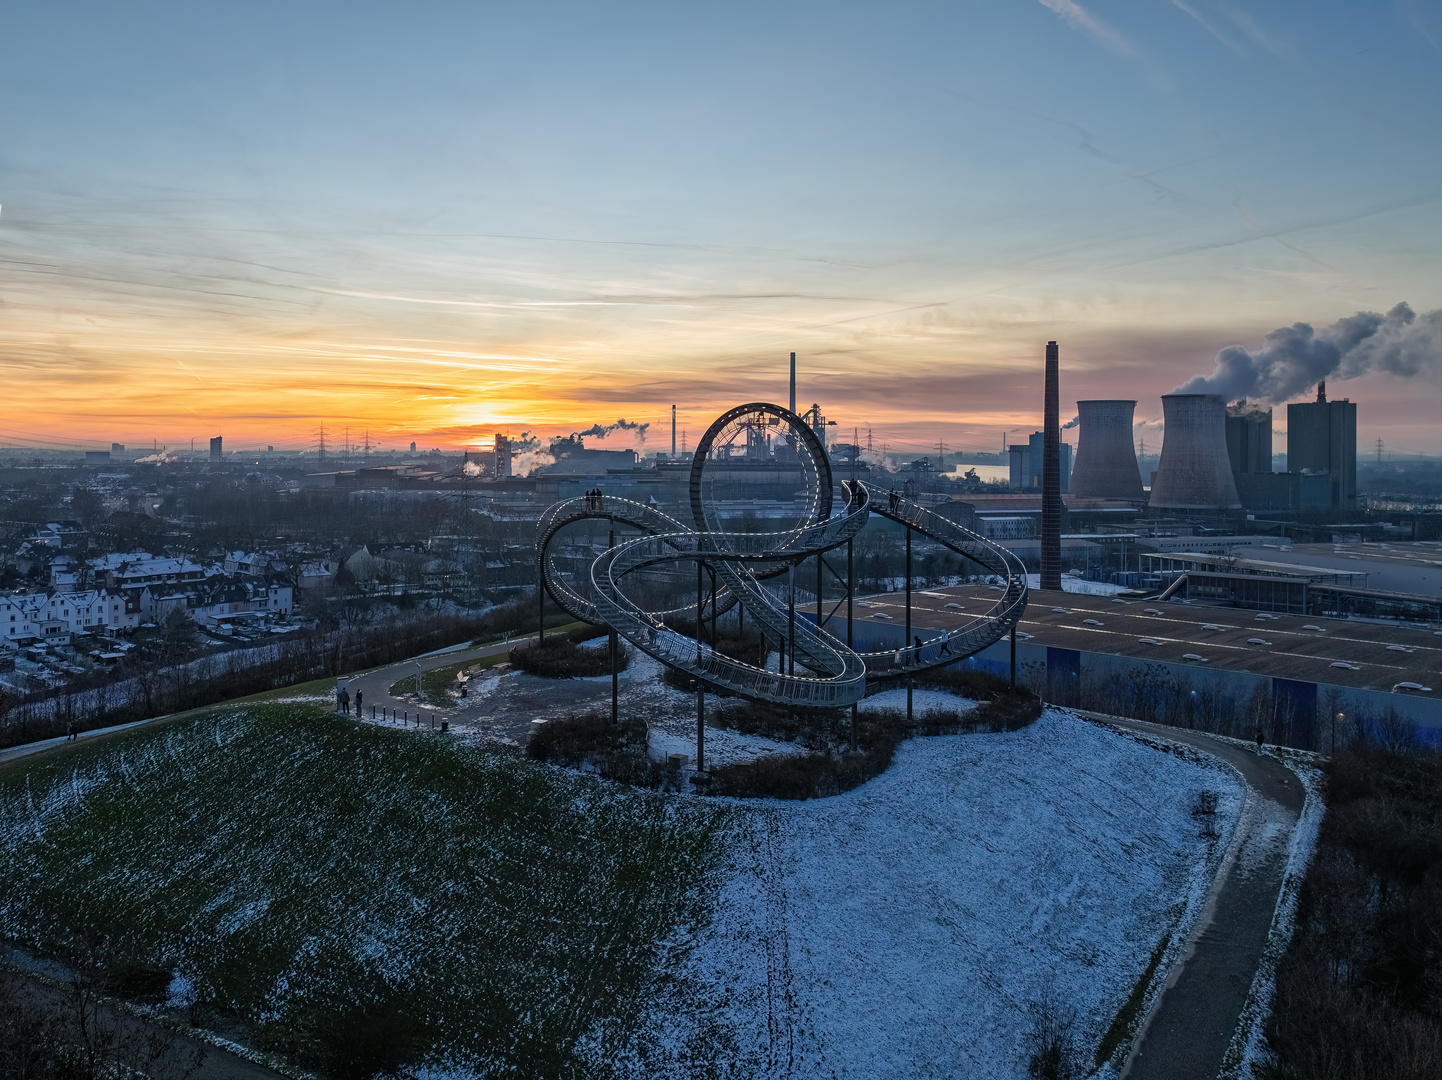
(1259, 740)
(69, 732)
(945, 643)
(917, 640)
(358, 695)
(342, 700)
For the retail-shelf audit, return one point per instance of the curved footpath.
(1188, 1031)
(375, 686)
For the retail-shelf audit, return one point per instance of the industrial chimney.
(1051, 507)
(1106, 461)
(1195, 472)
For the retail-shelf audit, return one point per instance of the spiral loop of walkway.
(828, 672)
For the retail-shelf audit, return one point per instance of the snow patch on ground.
(908, 927)
(1080, 585)
(723, 747)
(922, 702)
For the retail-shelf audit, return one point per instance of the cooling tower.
(1194, 472)
(1106, 462)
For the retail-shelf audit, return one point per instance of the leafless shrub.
(1052, 1052)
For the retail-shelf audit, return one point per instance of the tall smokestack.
(1195, 471)
(673, 431)
(793, 382)
(1106, 461)
(1051, 476)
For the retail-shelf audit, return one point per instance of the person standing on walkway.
(1259, 740)
(344, 701)
(917, 641)
(358, 695)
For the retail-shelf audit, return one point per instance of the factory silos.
(1106, 461)
(1195, 472)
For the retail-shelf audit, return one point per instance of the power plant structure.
(1051, 504)
(1195, 471)
(1322, 439)
(1025, 461)
(1106, 460)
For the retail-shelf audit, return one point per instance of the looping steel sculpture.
(743, 559)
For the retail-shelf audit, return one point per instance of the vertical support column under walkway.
(908, 622)
(615, 656)
(700, 692)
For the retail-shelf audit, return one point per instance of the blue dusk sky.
(439, 221)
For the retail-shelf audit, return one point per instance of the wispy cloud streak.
(1183, 6)
(1078, 18)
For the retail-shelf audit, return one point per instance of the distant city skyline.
(441, 223)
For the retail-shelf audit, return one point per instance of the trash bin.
(445, 725)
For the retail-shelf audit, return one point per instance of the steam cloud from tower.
(599, 431)
(1294, 358)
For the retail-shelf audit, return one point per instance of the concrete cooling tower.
(1194, 472)
(1106, 462)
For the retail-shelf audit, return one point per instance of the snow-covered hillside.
(908, 928)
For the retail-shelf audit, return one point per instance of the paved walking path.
(375, 687)
(1189, 1030)
(210, 1062)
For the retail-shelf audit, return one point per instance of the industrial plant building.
(1194, 473)
(1322, 441)
(1025, 460)
(1106, 461)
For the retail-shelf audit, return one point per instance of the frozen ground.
(1079, 585)
(909, 927)
(723, 747)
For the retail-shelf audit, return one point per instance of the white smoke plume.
(529, 462)
(1073, 422)
(1294, 358)
(599, 431)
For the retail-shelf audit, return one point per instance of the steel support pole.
(908, 621)
(818, 590)
(791, 618)
(615, 657)
(540, 605)
(1013, 659)
(850, 593)
(700, 693)
(711, 573)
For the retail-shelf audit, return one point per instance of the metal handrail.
(837, 674)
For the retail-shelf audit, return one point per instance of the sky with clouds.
(435, 221)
